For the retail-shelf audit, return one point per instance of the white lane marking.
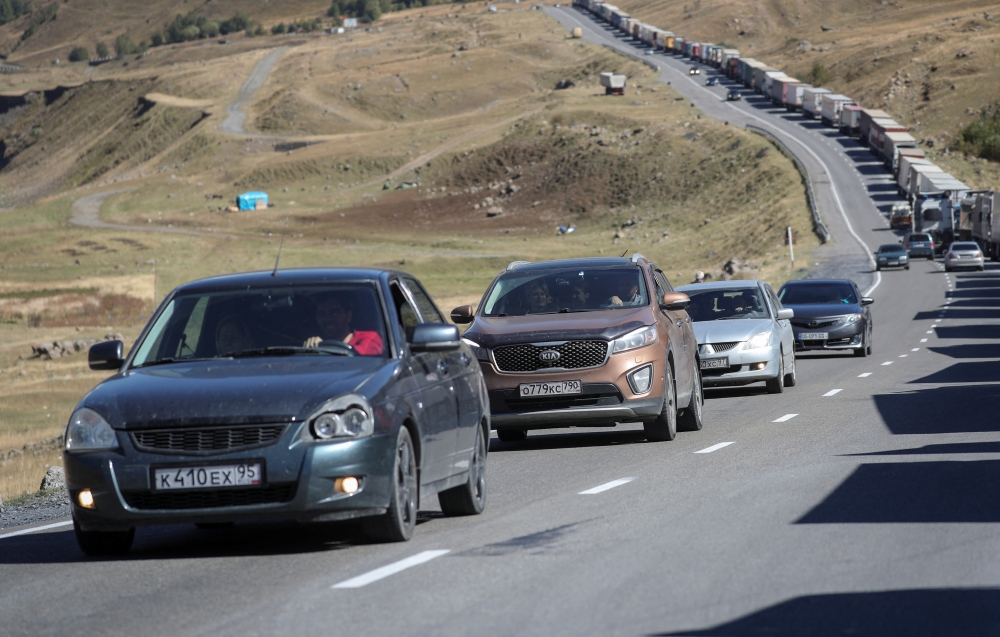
(929, 332)
(715, 447)
(937, 321)
(865, 375)
(887, 363)
(607, 485)
(832, 392)
(390, 569)
(37, 528)
(923, 340)
(785, 418)
(916, 349)
(903, 355)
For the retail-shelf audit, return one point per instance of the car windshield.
(732, 303)
(312, 320)
(566, 290)
(892, 247)
(919, 237)
(818, 294)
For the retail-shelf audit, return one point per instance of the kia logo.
(549, 355)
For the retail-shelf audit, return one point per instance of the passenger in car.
(232, 335)
(538, 298)
(626, 291)
(334, 318)
(580, 295)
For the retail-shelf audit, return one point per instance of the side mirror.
(867, 300)
(786, 313)
(106, 355)
(674, 301)
(435, 337)
(463, 314)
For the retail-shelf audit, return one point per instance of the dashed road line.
(715, 447)
(887, 363)
(832, 392)
(915, 349)
(37, 528)
(785, 418)
(865, 375)
(923, 340)
(903, 355)
(390, 569)
(607, 485)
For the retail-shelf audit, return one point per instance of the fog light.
(86, 499)
(346, 485)
(759, 366)
(641, 379)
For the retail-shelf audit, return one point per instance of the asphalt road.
(864, 501)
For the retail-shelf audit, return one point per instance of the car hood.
(729, 331)
(597, 325)
(823, 311)
(227, 391)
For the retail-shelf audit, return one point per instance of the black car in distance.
(830, 315)
(322, 394)
(733, 95)
(892, 255)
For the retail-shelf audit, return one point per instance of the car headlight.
(851, 319)
(763, 339)
(344, 417)
(88, 430)
(480, 352)
(638, 338)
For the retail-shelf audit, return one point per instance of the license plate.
(893, 263)
(813, 336)
(233, 475)
(714, 363)
(550, 389)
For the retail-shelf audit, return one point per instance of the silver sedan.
(963, 254)
(744, 335)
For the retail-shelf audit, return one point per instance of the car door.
(461, 371)
(435, 401)
(784, 327)
(682, 335)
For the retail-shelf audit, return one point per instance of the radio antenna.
(282, 243)
(623, 254)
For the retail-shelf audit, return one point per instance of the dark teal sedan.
(309, 395)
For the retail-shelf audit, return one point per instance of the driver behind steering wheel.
(334, 314)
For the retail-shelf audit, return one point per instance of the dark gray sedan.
(321, 395)
(829, 315)
(892, 255)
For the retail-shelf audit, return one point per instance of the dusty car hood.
(596, 325)
(823, 311)
(227, 391)
(730, 330)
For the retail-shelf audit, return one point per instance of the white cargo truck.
(812, 101)
(613, 83)
(891, 145)
(830, 110)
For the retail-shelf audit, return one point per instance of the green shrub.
(982, 138)
(210, 29)
(102, 50)
(124, 45)
(819, 74)
(278, 29)
(79, 54)
(156, 38)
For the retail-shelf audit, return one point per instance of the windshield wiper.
(284, 351)
(165, 361)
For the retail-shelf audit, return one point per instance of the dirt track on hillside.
(236, 117)
(86, 212)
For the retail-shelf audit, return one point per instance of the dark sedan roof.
(575, 263)
(812, 281)
(284, 278)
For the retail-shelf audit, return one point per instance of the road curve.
(236, 118)
(86, 212)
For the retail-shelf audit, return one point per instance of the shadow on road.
(984, 350)
(913, 492)
(940, 410)
(979, 372)
(954, 447)
(937, 612)
(568, 439)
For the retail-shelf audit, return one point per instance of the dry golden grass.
(24, 474)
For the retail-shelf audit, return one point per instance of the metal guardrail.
(818, 226)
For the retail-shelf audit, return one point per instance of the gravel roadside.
(44, 506)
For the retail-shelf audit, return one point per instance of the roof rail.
(516, 264)
(636, 256)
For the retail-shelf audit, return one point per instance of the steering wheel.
(335, 344)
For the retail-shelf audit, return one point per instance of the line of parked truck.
(942, 205)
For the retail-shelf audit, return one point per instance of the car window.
(827, 293)
(662, 284)
(246, 322)
(964, 245)
(919, 237)
(892, 247)
(424, 304)
(775, 303)
(587, 289)
(407, 316)
(727, 303)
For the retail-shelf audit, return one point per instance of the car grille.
(819, 323)
(209, 439)
(718, 348)
(573, 355)
(159, 500)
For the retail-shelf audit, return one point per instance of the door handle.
(680, 322)
(443, 367)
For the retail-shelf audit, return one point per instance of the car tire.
(776, 385)
(211, 526)
(791, 377)
(947, 269)
(398, 522)
(692, 418)
(865, 348)
(512, 435)
(878, 268)
(930, 258)
(982, 267)
(469, 498)
(664, 428)
(103, 543)
(906, 267)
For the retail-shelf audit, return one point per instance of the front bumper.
(893, 263)
(744, 368)
(838, 338)
(298, 484)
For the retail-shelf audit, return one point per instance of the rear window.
(566, 290)
(818, 294)
(920, 237)
(964, 245)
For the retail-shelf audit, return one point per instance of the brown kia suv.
(586, 343)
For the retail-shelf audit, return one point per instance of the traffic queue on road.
(339, 393)
(942, 205)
